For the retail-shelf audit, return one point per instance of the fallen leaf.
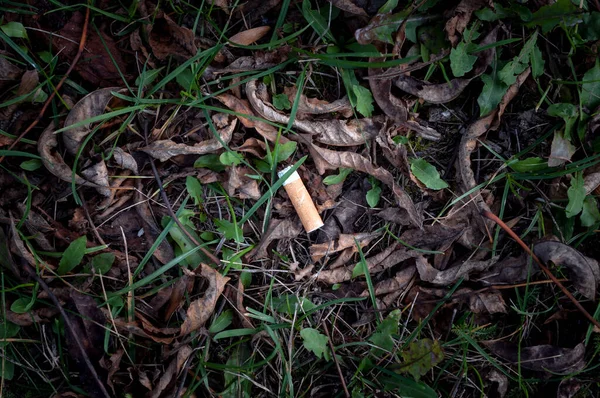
(115, 363)
(259, 60)
(485, 302)
(421, 356)
(331, 132)
(247, 37)
(101, 63)
(326, 159)
(278, 229)
(241, 186)
(167, 38)
(509, 271)
(8, 72)
(348, 6)
(164, 150)
(315, 106)
(463, 270)
(97, 174)
(240, 107)
(584, 272)
(201, 309)
(396, 284)
(168, 381)
(431, 237)
(541, 358)
(394, 215)
(456, 25)
(569, 387)
(561, 150)
(123, 160)
(320, 250)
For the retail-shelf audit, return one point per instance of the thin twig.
(69, 325)
(337, 365)
(513, 235)
(163, 194)
(58, 86)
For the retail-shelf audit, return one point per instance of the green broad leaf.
(246, 278)
(31, 165)
(222, 322)
(549, 16)
(147, 77)
(195, 190)
(382, 338)
(187, 80)
(72, 256)
(508, 74)
(14, 30)
(461, 62)
(489, 15)
(211, 162)
(590, 215)
(281, 102)
(590, 89)
(237, 387)
(7, 370)
(421, 356)
(231, 158)
(338, 178)
(8, 330)
(284, 151)
(427, 174)
(576, 195)
(590, 28)
(38, 96)
(406, 387)
(364, 100)
(184, 244)
(359, 269)
(528, 165)
(22, 305)
(290, 304)
(103, 262)
(388, 7)
(537, 62)
(373, 196)
(568, 112)
(229, 230)
(316, 342)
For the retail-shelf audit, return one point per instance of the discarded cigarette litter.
(305, 207)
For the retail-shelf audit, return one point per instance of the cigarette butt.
(303, 203)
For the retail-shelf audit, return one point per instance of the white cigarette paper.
(300, 198)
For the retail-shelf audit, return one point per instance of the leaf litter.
(401, 197)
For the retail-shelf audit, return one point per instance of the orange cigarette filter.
(303, 203)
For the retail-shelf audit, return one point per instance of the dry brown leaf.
(249, 36)
(102, 62)
(167, 38)
(485, 302)
(254, 146)
(97, 173)
(431, 237)
(348, 6)
(509, 271)
(331, 132)
(463, 270)
(93, 104)
(113, 367)
(164, 150)
(183, 285)
(315, 106)
(201, 309)
(320, 250)
(168, 380)
(9, 73)
(259, 60)
(541, 358)
(591, 181)
(561, 150)
(29, 81)
(462, 15)
(326, 159)
(394, 107)
(584, 272)
(242, 107)
(569, 387)
(396, 284)
(241, 186)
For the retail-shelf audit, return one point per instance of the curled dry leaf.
(348, 6)
(164, 150)
(569, 387)
(396, 284)
(259, 60)
(591, 181)
(583, 271)
(320, 250)
(331, 132)
(29, 81)
(448, 91)
(249, 36)
(484, 302)
(541, 358)
(201, 309)
(278, 229)
(93, 104)
(462, 15)
(8, 72)
(429, 274)
(561, 150)
(241, 186)
(509, 271)
(167, 38)
(315, 106)
(124, 160)
(167, 382)
(326, 159)
(97, 173)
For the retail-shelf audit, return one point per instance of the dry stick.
(58, 86)
(337, 365)
(163, 194)
(513, 235)
(69, 325)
